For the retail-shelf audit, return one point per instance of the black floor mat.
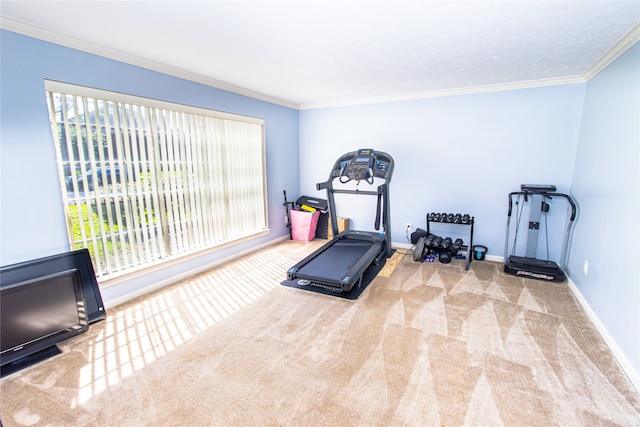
(369, 274)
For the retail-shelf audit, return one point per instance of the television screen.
(79, 260)
(38, 313)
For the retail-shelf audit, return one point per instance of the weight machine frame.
(529, 265)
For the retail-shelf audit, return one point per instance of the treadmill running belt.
(332, 265)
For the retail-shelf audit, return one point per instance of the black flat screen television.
(79, 260)
(38, 313)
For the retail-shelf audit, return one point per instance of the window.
(146, 181)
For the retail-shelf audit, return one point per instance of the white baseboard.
(493, 258)
(395, 245)
(174, 279)
(622, 359)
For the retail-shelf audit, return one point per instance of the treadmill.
(340, 264)
(529, 265)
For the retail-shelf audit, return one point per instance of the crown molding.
(447, 92)
(618, 49)
(631, 38)
(60, 39)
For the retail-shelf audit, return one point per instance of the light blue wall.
(32, 223)
(606, 183)
(453, 154)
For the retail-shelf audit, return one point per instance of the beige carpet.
(431, 345)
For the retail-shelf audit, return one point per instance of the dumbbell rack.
(468, 248)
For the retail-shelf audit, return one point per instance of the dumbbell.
(446, 243)
(457, 219)
(431, 216)
(455, 247)
(444, 257)
(466, 219)
(436, 242)
(450, 217)
(429, 240)
(418, 251)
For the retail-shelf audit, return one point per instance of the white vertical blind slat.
(127, 237)
(181, 182)
(155, 177)
(113, 258)
(100, 197)
(142, 244)
(163, 183)
(91, 192)
(79, 198)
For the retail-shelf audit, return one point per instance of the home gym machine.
(529, 265)
(340, 264)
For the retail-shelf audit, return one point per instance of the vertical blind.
(145, 181)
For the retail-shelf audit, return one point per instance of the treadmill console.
(361, 167)
(364, 165)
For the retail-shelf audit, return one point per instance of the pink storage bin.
(303, 225)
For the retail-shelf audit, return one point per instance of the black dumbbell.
(466, 219)
(454, 248)
(431, 216)
(457, 219)
(418, 251)
(443, 217)
(458, 243)
(429, 240)
(436, 242)
(444, 257)
(450, 217)
(446, 243)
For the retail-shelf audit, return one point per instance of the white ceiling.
(308, 53)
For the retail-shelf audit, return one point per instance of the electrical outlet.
(407, 228)
(586, 267)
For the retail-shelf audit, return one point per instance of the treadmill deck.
(342, 261)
